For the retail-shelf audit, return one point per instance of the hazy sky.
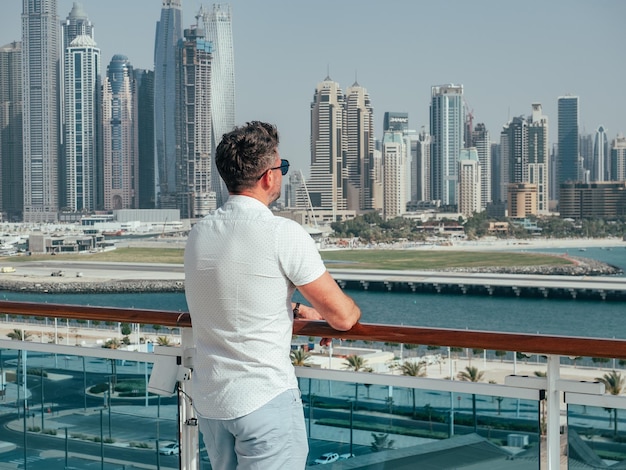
(506, 54)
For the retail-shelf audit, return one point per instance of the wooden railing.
(528, 343)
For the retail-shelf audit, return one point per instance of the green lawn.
(417, 259)
(361, 259)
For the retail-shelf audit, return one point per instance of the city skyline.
(548, 57)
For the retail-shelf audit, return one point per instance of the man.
(242, 265)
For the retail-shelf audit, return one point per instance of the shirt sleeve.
(298, 255)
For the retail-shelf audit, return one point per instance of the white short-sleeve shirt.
(242, 264)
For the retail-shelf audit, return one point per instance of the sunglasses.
(284, 168)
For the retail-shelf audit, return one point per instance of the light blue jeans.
(270, 438)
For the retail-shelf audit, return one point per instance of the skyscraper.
(601, 167)
(420, 167)
(40, 69)
(538, 157)
(11, 159)
(568, 151)
(481, 141)
(524, 152)
(168, 33)
(394, 174)
(218, 30)
(328, 181)
(119, 136)
(446, 130)
(82, 100)
(359, 157)
(80, 166)
(469, 191)
(144, 80)
(194, 190)
(618, 158)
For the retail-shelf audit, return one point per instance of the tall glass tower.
(326, 187)
(120, 136)
(11, 155)
(601, 167)
(359, 156)
(447, 118)
(81, 122)
(195, 196)
(169, 31)
(568, 151)
(218, 30)
(40, 69)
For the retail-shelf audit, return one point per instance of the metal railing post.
(189, 448)
(553, 403)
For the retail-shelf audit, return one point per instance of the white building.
(394, 175)
(469, 185)
(447, 118)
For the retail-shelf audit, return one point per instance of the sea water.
(512, 314)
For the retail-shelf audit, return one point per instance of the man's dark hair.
(245, 153)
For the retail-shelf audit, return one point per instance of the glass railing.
(72, 406)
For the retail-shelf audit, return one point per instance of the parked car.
(326, 458)
(169, 449)
(345, 456)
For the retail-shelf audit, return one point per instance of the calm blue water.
(545, 316)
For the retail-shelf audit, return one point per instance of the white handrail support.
(553, 435)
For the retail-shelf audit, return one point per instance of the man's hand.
(309, 313)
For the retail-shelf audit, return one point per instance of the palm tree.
(19, 335)
(355, 363)
(300, 357)
(163, 341)
(614, 384)
(472, 374)
(413, 369)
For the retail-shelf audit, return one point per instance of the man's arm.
(339, 310)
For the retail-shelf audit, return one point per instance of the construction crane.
(309, 205)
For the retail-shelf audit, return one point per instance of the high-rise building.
(11, 158)
(82, 98)
(194, 190)
(446, 129)
(618, 158)
(568, 150)
(524, 155)
(80, 165)
(359, 154)
(144, 80)
(538, 157)
(40, 70)
(469, 181)
(120, 136)
(601, 167)
(585, 148)
(394, 176)
(420, 167)
(218, 30)
(395, 121)
(327, 184)
(169, 31)
(481, 141)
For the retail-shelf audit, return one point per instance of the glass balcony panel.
(596, 430)
(78, 411)
(404, 427)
